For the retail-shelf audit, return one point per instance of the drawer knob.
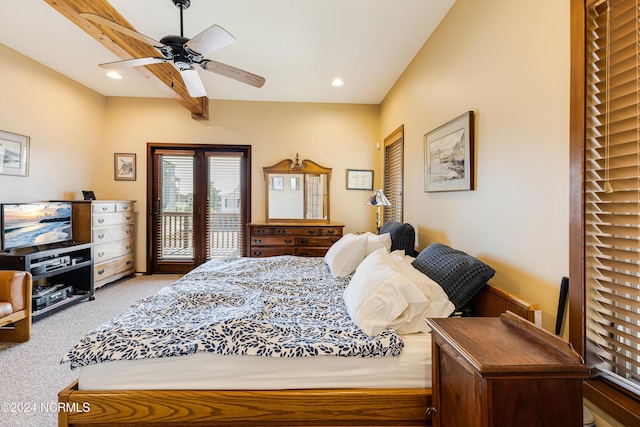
(431, 410)
(260, 231)
(312, 231)
(101, 271)
(128, 247)
(100, 254)
(331, 231)
(100, 220)
(128, 217)
(280, 231)
(257, 253)
(104, 208)
(125, 207)
(100, 236)
(304, 241)
(288, 241)
(256, 241)
(128, 262)
(128, 231)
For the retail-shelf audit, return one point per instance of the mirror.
(297, 191)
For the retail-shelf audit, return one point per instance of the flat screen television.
(34, 224)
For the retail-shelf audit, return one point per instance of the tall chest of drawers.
(109, 226)
(301, 239)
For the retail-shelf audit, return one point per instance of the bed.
(156, 391)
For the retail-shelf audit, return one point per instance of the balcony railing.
(224, 235)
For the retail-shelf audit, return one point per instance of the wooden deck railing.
(225, 237)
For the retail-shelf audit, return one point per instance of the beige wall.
(66, 125)
(508, 61)
(333, 135)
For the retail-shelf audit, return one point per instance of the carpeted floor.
(31, 374)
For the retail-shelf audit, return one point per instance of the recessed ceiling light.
(114, 75)
(337, 83)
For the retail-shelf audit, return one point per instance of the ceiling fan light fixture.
(337, 82)
(114, 75)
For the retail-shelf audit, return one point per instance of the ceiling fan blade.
(129, 63)
(210, 39)
(233, 73)
(193, 82)
(122, 29)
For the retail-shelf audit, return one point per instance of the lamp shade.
(378, 199)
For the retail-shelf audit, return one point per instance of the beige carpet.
(31, 374)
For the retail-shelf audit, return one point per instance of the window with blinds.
(393, 174)
(612, 192)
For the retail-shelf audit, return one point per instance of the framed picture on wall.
(449, 156)
(358, 179)
(14, 154)
(124, 166)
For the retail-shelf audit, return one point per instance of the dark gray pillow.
(460, 275)
(403, 236)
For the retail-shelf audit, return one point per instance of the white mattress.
(206, 371)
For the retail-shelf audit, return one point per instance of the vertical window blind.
(612, 192)
(393, 175)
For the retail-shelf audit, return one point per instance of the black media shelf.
(52, 268)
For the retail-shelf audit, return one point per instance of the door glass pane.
(176, 207)
(224, 215)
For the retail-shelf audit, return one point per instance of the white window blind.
(612, 192)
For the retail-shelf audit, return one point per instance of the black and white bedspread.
(280, 307)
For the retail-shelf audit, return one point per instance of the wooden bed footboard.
(270, 408)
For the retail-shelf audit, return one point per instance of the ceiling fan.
(184, 53)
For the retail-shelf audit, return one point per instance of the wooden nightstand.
(503, 371)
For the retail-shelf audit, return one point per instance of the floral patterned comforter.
(279, 307)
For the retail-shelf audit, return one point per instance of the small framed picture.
(14, 154)
(124, 166)
(278, 183)
(88, 195)
(358, 179)
(294, 183)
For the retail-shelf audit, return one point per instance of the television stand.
(62, 275)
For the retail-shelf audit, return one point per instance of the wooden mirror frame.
(290, 167)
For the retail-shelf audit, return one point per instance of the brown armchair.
(15, 306)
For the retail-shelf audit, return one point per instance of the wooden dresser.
(503, 372)
(109, 225)
(301, 239)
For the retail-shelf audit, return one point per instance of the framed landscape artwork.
(449, 156)
(14, 154)
(125, 166)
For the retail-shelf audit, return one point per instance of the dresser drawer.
(106, 219)
(103, 207)
(316, 241)
(297, 231)
(267, 251)
(112, 267)
(272, 241)
(261, 231)
(302, 251)
(111, 250)
(124, 207)
(111, 234)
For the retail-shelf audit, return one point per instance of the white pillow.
(379, 296)
(346, 254)
(377, 241)
(439, 303)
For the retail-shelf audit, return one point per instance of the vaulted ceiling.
(299, 47)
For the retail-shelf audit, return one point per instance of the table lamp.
(378, 199)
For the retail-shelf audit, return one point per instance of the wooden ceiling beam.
(164, 75)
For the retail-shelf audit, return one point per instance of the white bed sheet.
(206, 371)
